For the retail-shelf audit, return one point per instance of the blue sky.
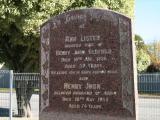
(147, 19)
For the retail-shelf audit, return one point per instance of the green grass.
(149, 94)
(6, 90)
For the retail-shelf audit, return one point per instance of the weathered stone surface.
(87, 68)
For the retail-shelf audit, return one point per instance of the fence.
(149, 96)
(23, 99)
(6, 81)
(27, 89)
(149, 83)
(25, 96)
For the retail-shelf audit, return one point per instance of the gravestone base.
(79, 116)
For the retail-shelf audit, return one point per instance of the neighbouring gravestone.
(87, 70)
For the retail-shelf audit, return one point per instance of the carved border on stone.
(126, 66)
(45, 51)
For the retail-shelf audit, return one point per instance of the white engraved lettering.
(100, 51)
(70, 18)
(70, 39)
(90, 38)
(70, 66)
(61, 52)
(93, 86)
(72, 86)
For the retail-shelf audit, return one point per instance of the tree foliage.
(143, 60)
(142, 56)
(20, 21)
(154, 67)
(154, 52)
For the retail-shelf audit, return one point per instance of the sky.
(147, 20)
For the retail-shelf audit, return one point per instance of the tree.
(18, 46)
(154, 67)
(19, 31)
(154, 52)
(143, 60)
(142, 56)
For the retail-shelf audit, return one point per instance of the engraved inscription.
(71, 18)
(86, 60)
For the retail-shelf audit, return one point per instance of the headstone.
(87, 70)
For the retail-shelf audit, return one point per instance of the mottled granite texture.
(87, 70)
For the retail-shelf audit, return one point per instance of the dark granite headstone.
(87, 70)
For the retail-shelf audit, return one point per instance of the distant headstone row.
(87, 67)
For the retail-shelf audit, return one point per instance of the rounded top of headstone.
(93, 12)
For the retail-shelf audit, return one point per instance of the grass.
(6, 90)
(147, 93)
(2, 90)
